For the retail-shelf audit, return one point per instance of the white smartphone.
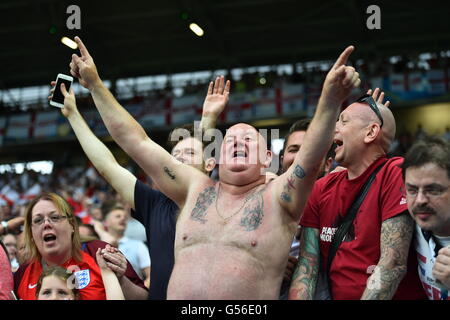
(58, 98)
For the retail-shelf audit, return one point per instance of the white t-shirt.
(137, 254)
(135, 230)
(426, 249)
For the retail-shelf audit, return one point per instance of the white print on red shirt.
(327, 234)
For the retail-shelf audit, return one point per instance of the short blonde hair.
(65, 209)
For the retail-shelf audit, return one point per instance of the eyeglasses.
(367, 98)
(429, 192)
(53, 219)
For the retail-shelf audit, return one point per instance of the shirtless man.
(232, 236)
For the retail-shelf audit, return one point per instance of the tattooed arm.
(396, 235)
(294, 186)
(304, 280)
(172, 177)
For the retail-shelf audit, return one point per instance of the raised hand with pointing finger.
(84, 67)
(341, 79)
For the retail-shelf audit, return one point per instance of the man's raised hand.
(378, 97)
(341, 79)
(83, 67)
(217, 97)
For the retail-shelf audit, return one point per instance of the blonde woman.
(52, 239)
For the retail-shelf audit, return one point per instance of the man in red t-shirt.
(372, 260)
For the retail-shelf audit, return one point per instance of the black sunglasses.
(367, 98)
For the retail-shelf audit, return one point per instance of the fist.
(441, 269)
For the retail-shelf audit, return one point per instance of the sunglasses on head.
(367, 98)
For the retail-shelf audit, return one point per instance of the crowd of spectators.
(250, 80)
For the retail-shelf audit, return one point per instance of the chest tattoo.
(253, 212)
(204, 200)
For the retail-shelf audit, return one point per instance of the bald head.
(368, 116)
(246, 129)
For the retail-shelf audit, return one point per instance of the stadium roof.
(142, 37)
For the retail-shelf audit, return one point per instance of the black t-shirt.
(158, 215)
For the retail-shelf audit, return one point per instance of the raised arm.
(215, 101)
(173, 178)
(294, 186)
(396, 235)
(304, 280)
(103, 160)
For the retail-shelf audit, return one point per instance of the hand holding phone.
(58, 98)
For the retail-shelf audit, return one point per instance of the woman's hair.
(60, 273)
(63, 208)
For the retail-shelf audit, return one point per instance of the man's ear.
(210, 164)
(266, 163)
(328, 164)
(373, 132)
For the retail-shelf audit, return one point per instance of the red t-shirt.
(91, 285)
(89, 275)
(359, 253)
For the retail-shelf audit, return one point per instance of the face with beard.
(428, 197)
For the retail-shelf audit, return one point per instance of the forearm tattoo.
(169, 173)
(396, 235)
(204, 200)
(304, 280)
(298, 173)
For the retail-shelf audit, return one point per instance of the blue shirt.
(158, 215)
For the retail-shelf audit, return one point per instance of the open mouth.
(49, 238)
(239, 154)
(338, 142)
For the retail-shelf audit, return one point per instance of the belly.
(221, 272)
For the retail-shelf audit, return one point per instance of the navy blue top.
(158, 215)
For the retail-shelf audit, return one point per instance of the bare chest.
(252, 222)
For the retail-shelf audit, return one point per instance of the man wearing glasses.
(371, 261)
(426, 171)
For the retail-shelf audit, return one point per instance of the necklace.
(231, 216)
